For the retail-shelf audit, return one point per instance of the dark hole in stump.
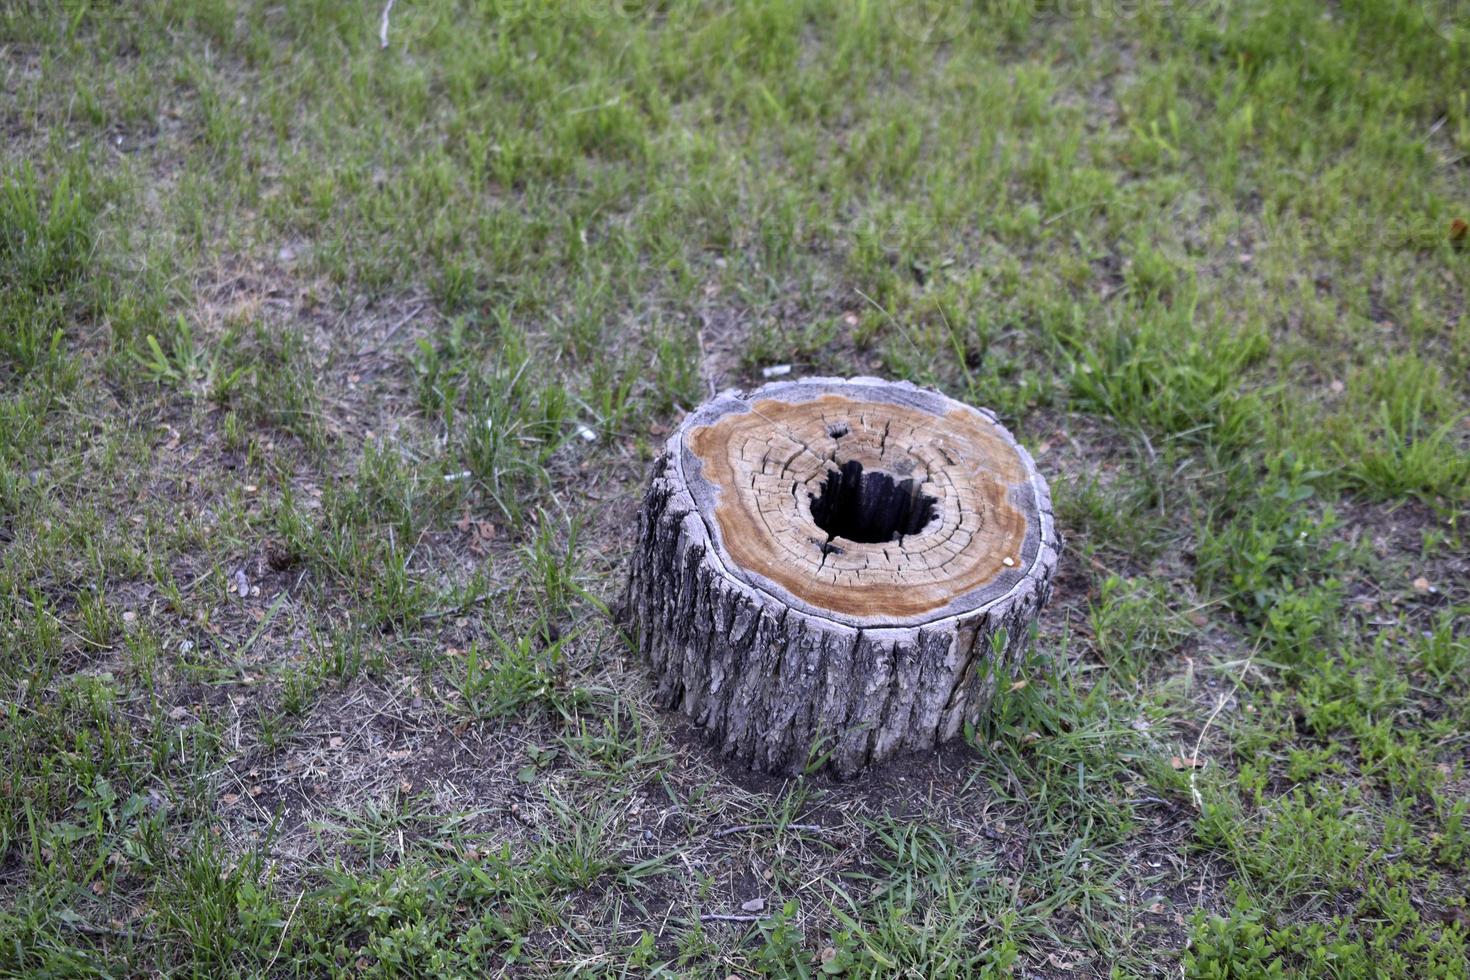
(869, 507)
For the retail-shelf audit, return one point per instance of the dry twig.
(397, 324)
(285, 929)
(1199, 803)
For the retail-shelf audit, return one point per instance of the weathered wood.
(831, 571)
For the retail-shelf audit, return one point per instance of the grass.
(330, 375)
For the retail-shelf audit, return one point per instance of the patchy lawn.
(330, 375)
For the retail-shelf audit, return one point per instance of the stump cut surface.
(825, 567)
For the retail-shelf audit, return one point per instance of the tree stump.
(829, 572)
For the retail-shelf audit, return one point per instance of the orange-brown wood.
(769, 463)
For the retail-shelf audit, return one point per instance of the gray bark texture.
(778, 683)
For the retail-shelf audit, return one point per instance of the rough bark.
(829, 572)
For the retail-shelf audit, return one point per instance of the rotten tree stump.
(829, 572)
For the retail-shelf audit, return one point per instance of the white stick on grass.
(1199, 802)
(383, 25)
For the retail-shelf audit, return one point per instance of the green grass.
(388, 338)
